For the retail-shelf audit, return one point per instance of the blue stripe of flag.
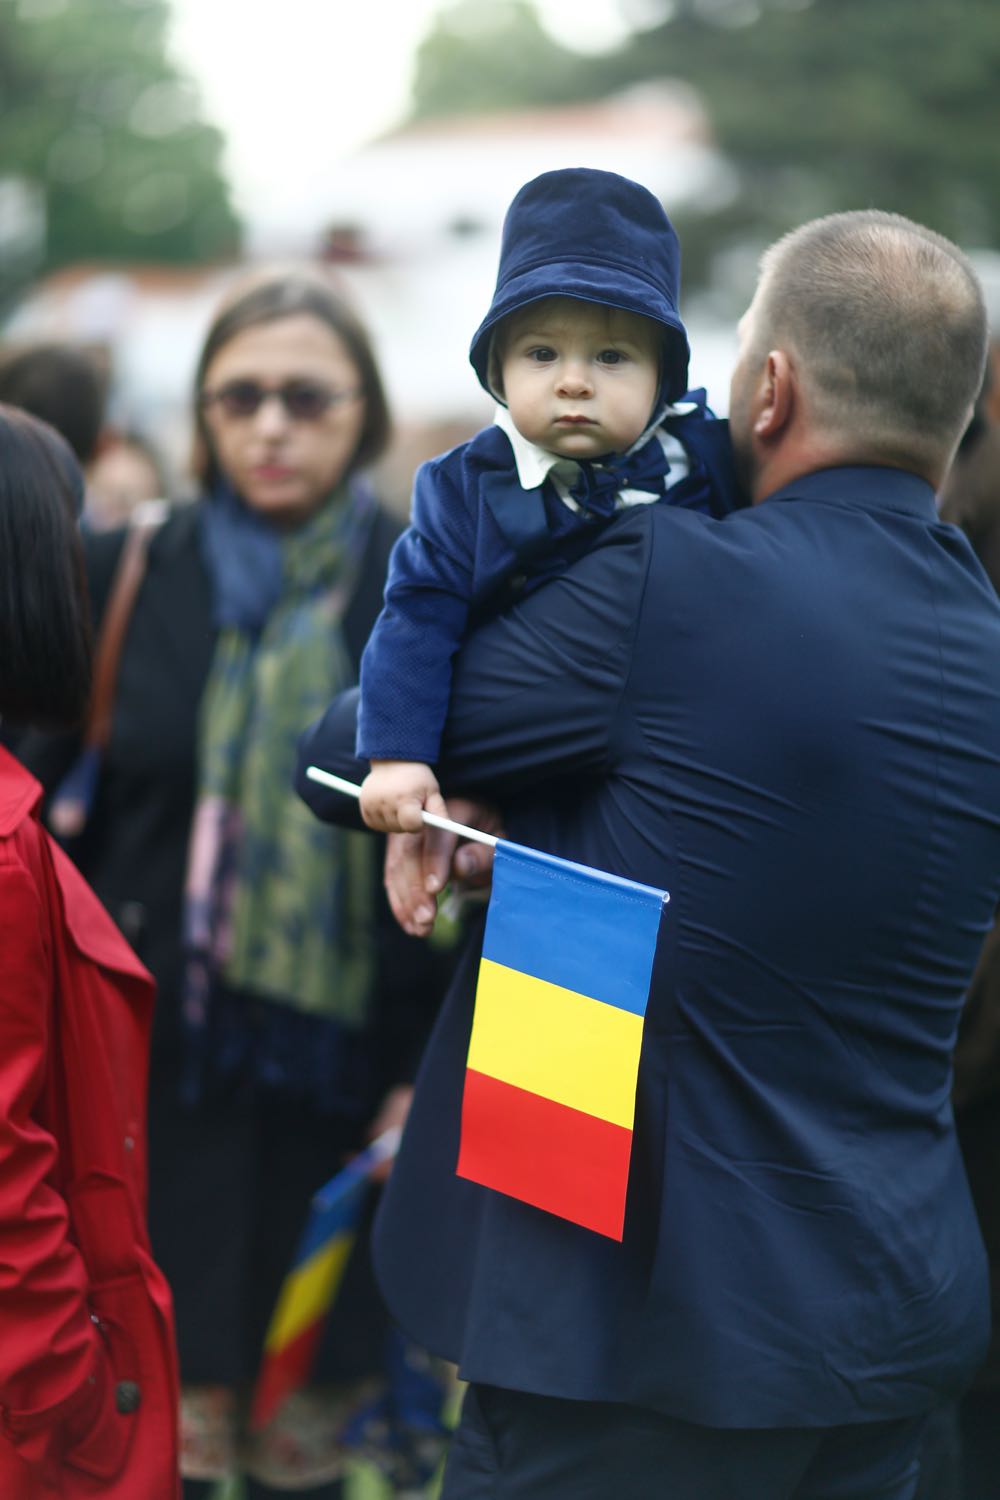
(335, 1209)
(573, 926)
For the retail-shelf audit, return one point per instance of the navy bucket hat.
(596, 236)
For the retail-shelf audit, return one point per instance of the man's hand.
(395, 792)
(418, 866)
(392, 1114)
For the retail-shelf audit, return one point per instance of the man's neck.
(786, 464)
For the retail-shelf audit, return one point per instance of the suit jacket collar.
(864, 487)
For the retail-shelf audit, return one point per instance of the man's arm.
(536, 693)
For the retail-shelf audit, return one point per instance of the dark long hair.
(45, 640)
(281, 292)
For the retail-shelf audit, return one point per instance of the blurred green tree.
(481, 55)
(832, 104)
(819, 104)
(108, 134)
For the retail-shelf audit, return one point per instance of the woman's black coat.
(229, 1182)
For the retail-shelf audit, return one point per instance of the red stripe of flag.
(283, 1371)
(559, 1159)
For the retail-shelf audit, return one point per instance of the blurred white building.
(412, 225)
(148, 321)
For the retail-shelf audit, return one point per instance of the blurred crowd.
(287, 1033)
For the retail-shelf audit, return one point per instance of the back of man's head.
(887, 324)
(61, 384)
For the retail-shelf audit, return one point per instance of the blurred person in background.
(88, 1376)
(62, 384)
(66, 386)
(125, 473)
(292, 1010)
(970, 498)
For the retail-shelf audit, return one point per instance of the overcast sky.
(297, 84)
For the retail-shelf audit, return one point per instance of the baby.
(585, 350)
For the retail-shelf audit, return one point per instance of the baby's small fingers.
(374, 813)
(436, 804)
(408, 815)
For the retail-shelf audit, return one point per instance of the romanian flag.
(308, 1290)
(549, 1101)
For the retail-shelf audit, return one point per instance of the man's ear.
(777, 396)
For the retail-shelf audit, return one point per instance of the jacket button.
(127, 1396)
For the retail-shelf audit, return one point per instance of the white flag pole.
(351, 789)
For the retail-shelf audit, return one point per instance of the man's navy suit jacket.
(790, 719)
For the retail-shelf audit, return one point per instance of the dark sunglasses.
(303, 400)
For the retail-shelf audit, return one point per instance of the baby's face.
(579, 378)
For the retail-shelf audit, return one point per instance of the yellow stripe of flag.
(305, 1295)
(556, 1043)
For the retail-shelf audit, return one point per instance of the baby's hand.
(395, 791)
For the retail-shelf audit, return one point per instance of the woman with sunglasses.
(293, 1008)
(88, 1376)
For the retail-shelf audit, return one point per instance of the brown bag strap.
(145, 521)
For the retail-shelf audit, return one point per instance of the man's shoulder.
(664, 535)
(676, 530)
(704, 563)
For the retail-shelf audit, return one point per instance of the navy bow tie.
(601, 481)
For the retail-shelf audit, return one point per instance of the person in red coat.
(88, 1376)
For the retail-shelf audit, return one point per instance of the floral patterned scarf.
(279, 907)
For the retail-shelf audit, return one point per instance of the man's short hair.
(889, 322)
(63, 385)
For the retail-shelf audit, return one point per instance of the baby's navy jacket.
(476, 541)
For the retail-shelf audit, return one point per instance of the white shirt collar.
(534, 464)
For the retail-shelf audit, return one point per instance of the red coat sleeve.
(53, 1376)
